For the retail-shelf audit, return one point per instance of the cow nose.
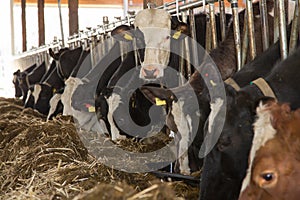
(150, 74)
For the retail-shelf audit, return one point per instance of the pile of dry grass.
(47, 160)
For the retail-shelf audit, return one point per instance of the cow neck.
(264, 87)
(54, 80)
(27, 81)
(60, 73)
(232, 83)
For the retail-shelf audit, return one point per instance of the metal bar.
(213, 25)
(222, 19)
(169, 4)
(236, 31)
(186, 7)
(182, 61)
(245, 43)
(193, 44)
(276, 21)
(208, 45)
(295, 29)
(282, 30)
(61, 24)
(264, 24)
(251, 30)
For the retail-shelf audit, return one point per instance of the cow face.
(225, 166)
(156, 26)
(29, 102)
(42, 94)
(18, 91)
(273, 171)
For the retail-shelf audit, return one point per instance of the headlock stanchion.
(264, 24)
(245, 43)
(236, 30)
(251, 30)
(213, 27)
(295, 29)
(222, 19)
(282, 30)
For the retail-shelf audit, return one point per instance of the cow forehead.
(153, 18)
(263, 132)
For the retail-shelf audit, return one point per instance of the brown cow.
(274, 169)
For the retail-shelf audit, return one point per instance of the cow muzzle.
(150, 72)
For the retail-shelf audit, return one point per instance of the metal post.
(184, 53)
(61, 24)
(282, 30)
(222, 19)
(208, 35)
(251, 30)
(264, 24)
(276, 21)
(24, 37)
(236, 30)
(213, 25)
(194, 46)
(245, 43)
(295, 29)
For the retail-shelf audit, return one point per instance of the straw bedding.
(47, 160)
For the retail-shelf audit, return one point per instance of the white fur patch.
(36, 92)
(156, 27)
(53, 104)
(113, 102)
(263, 132)
(215, 108)
(66, 97)
(28, 95)
(184, 126)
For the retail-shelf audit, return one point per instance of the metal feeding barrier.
(88, 38)
(184, 10)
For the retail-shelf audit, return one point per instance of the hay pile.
(47, 160)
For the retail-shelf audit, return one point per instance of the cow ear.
(157, 95)
(51, 53)
(122, 33)
(180, 31)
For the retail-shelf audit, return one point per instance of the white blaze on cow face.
(156, 27)
(263, 132)
(36, 92)
(215, 108)
(53, 104)
(66, 98)
(184, 125)
(113, 102)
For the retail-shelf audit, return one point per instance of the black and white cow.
(27, 80)
(16, 77)
(45, 90)
(181, 118)
(225, 166)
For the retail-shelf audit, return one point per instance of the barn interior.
(74, 154)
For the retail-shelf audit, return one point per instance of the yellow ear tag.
(92, 109)
(128, 37)
(54, 90)
(177, 35)
(160, 102)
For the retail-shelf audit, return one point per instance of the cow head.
(153, 31)
(273, 171)
(18, 91)
(42, 94)
(225, 166)
(156, 27)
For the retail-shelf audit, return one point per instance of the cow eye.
(267, 176)
(168, 37)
